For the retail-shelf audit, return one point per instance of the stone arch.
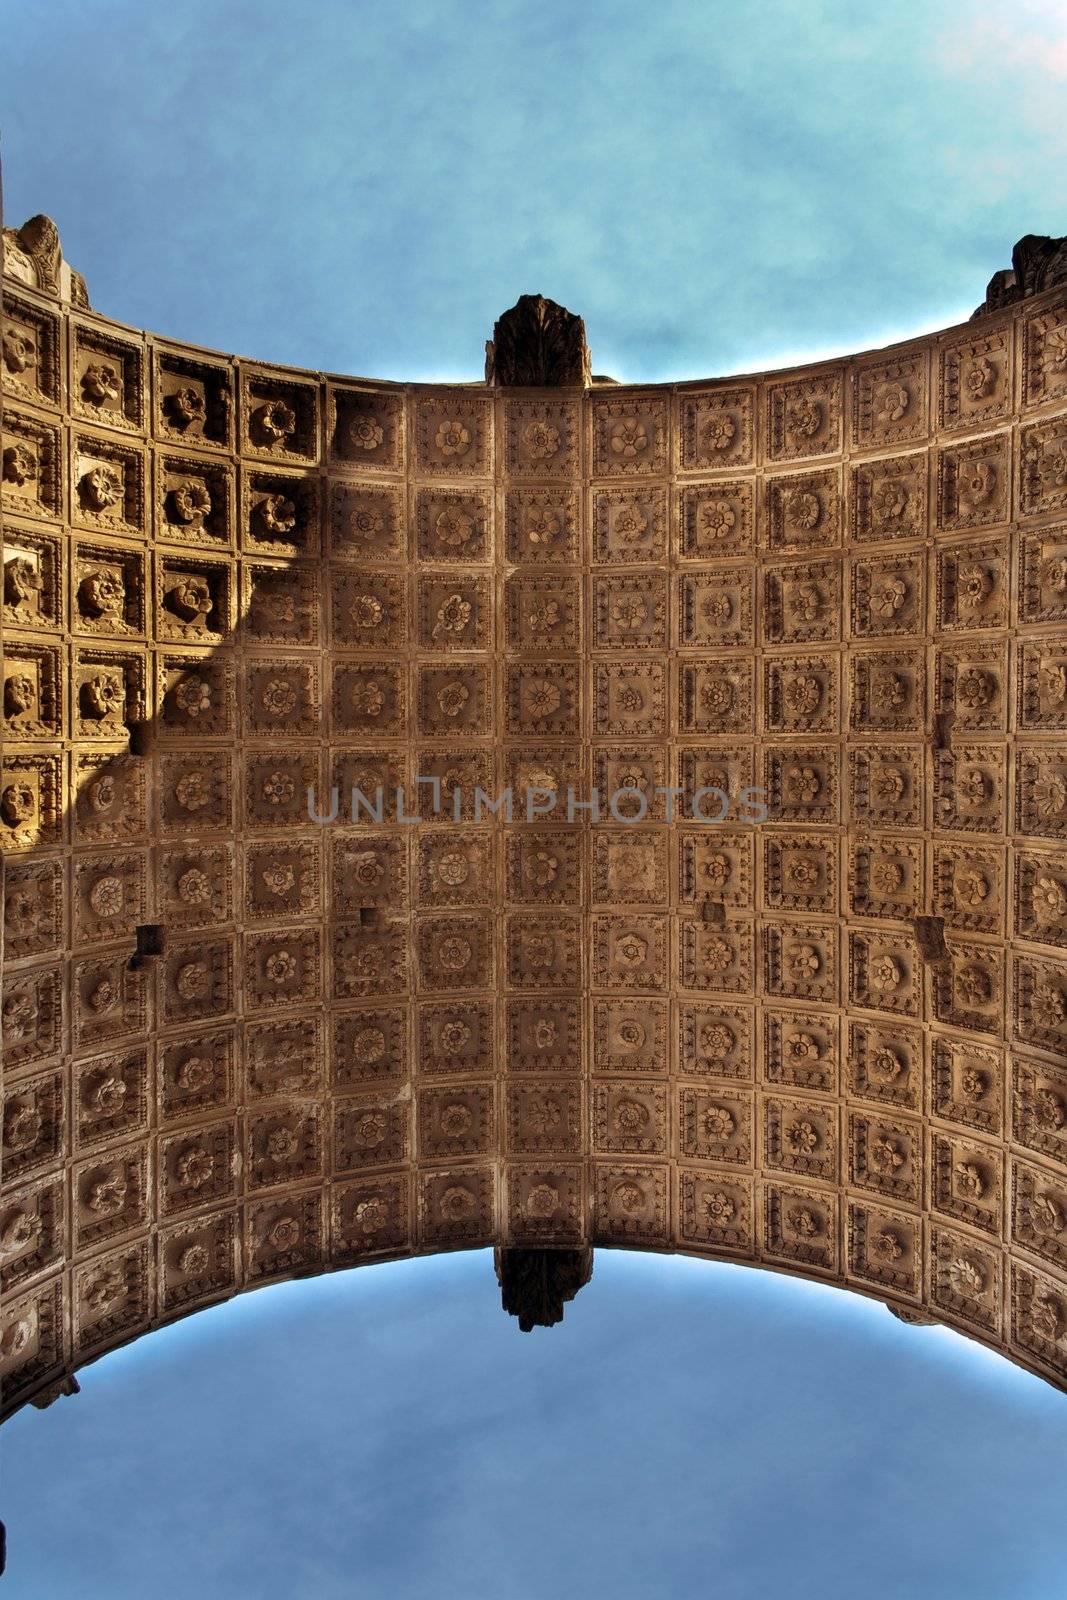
(241, 1045)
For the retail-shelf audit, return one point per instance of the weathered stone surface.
(1037, 263)
(795, 995)
(537, 344)
(34, 255)
(915, 1318)
(536, 1284)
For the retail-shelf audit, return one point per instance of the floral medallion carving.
(630, 613)
(716, 696)
(544, 1203)
(544, 1035)
(630, 437)
(714, 1211)
(198, 980)
(715, 1041)
(194, 400)
(108, 485)
(544, 1118)
(541, 525)
(198, 695)
(716, 520)
(629, 701)
(629, 952)
(455, 1038)
(370, 1216)
(453, 435)
(630, 1036)
(1044, 356)
(542, 438)
(279, 417)
(368, 699)
(195, 501)
(716, 958)
(888, 499)
(800, 1226)
(366, 522)
(455, 1206)
(629, 525)
(801, 602)
(542, 698)
(544, 867)
(972, 586)
(454, 613)
(885, 878)
(715, 608)
(976, 380)
(800, 959)
(630, 1204)
(542, 952)
(884, 1247)
(888, 595)
(716, 429)
(889, 402)
(803, 511)
(365, 428)
(630, 866)
(630, 1118)
(453, 526)
(107, 378)
(965, 1279)
(974, 484)
(800, 1050)
(803, 417)
(279, 513)
(30, 350)
(454, 952)
(800, 1137)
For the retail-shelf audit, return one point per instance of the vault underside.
(796, 997)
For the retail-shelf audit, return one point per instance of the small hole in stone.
(149, 944)
(930, 937)
(141, 738)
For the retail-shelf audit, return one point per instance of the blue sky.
(713, 184)
(689, 1429)
(364, 187)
